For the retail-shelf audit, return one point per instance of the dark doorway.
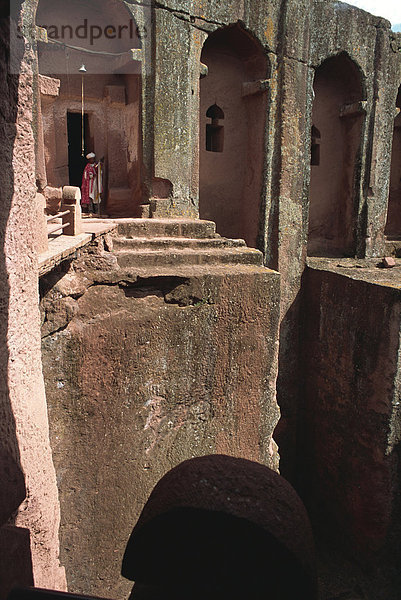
(77, 162)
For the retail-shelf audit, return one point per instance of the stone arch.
(338, 114)
(103, 36)
(220, 527)
(231, 180)
(393, 225)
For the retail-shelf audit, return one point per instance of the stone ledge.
(365, 270)
(64, 246)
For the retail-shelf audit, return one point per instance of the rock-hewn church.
(237, 291)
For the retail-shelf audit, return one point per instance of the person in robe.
(91, 188)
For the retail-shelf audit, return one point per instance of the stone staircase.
(172, 243)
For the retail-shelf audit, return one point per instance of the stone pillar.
(24, 428)
(372, 219)
(71, 198)
(41, 180)
(171, 187)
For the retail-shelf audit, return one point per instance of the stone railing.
(70, 213)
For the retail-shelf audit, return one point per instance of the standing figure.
(91, 187)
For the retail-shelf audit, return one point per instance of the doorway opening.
(77, 162)
(338, 116)
(112, 96)
(233, 112)
(393, 225)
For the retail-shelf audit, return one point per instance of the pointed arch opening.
(393, 225)
(337, 116)
(101, 36)
(233, 108)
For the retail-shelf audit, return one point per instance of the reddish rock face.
(350, 433)
(181, 360)
(388, 262)
(146, 366)
(32, 548)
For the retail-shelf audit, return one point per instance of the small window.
(315, 147)
(214, 131)
(214, 138)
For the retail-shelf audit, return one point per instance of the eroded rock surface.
(145, 367)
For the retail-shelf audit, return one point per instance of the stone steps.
(177, 228)
(173, 243)
(170, 243)
(185, 256)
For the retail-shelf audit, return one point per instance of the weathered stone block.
(152, 370)
(350, 433)
(49, 86)
(388, 262)
(71, 202)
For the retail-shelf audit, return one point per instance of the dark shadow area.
(285, 433)
(152, 286)
(15, 551)
(219, 527)
(15, 556)
(229, 557)
(337, 117)
(393, 225)
(30, 593)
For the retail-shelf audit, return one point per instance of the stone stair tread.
(191, 228)
(182, 251)
(190, 256)
(190, 270)
(194, 250)
(173, 241)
